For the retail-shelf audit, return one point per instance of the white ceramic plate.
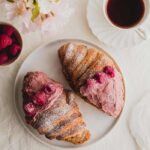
(46, 59)
(115, 37)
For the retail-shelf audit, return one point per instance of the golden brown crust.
(84, 64)
(78, 138)
(81, 52)
(92, 62)
(70, 126)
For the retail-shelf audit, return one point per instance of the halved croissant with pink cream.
(95, 76)
(52, 110)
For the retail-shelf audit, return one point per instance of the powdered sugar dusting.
(49, 117)
(69, 51)
(78, 58)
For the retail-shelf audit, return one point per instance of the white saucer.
(46, 59)
(115, 37)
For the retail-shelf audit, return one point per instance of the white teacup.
(139, 27)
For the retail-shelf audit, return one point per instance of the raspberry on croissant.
(52, 110)
(95, 76)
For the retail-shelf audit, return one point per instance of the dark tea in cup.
(125, 13)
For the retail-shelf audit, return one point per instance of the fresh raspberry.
(8, 30)
(29, 109)
(49, 88)
(100, 77)
(109, 71)
(14, 49)
(3, 58)
(40, 98)
(5, 41)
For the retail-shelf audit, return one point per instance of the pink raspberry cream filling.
(105, 90)
(42, 99)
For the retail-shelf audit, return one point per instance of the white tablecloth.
(135, 64)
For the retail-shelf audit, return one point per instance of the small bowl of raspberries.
(10, 44)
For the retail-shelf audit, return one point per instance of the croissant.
(94, 75)
(52, 110)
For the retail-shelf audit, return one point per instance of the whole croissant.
(94, 76)
(52, 110)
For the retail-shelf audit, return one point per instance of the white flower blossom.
(47, 15)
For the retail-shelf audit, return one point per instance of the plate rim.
(82, 146)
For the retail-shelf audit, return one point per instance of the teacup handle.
(142, 33)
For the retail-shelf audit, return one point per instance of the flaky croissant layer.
(81, 64)
(52, 110)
